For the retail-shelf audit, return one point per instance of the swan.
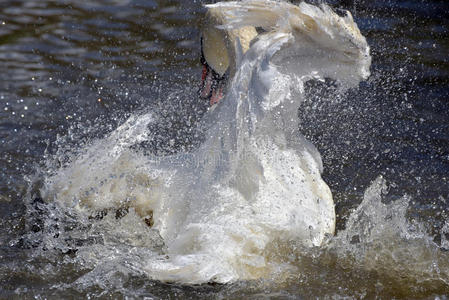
(218, 54)
(255, 182)
(258, 178)
(315, 33)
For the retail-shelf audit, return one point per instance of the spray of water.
(248, 203)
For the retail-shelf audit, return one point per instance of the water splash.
(400, 80)
(232, 209)
(252, 181)
(381, 253)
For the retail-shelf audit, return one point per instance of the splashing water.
(379, 244)
(253, 180)
(229, 210)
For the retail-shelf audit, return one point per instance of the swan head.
(218, 53)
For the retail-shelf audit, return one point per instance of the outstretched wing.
(324, 43)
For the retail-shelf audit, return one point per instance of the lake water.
(73, 71)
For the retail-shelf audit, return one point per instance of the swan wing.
(324, 45)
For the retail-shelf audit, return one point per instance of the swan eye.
(214, 50)
(260, 30)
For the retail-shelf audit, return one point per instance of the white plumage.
(255, 182)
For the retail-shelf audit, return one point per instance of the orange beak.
(212, 84)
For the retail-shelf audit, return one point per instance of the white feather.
(332, 44)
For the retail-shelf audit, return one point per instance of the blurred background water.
(73, 70)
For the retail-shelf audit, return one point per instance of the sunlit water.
(88, 78)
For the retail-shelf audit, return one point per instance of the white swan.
(255, 182)
(316, 36)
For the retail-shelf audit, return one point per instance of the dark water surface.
(73, 70)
